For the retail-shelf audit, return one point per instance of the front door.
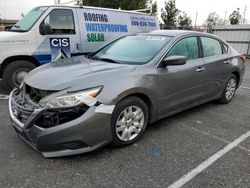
(181, 86)
(63, 40)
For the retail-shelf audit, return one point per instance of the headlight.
(73, 99)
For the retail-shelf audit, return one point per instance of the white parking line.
(216, 137)
(208, 134)
(190, 175)
(245, 87)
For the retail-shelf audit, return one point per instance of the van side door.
(58, 35)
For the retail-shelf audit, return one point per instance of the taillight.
(243, 58)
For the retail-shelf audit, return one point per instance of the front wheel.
(229, 90)
(15, 72)
(129, 120)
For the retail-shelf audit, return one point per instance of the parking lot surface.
(207, 146)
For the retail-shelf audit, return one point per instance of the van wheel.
(14, 73)
(229, 90)
(129, 121)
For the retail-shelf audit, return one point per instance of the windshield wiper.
(89, 56)
(16, 26)
(108, 60)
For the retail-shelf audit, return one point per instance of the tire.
(227, 95)
(14, 73)
(135, 124)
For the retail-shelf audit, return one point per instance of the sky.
(12, 9)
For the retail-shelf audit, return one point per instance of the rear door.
(215, 61)
(181, 86)
(64, 39)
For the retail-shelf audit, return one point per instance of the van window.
(211, 47)
(187, 47)
(29, 19)
(61, 21)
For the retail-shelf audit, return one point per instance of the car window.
(211, 47)
(187, 47)
(138, 49)
(61, 21)
(225, 48)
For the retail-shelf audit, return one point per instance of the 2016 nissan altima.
(79, 104)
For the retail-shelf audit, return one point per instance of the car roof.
(174, 33)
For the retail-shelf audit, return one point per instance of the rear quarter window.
(211, 47)
(224, 48)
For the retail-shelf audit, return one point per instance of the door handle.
(77, 46)
(226, 61)
(200, 69)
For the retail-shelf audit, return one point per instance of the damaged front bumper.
(60, 132)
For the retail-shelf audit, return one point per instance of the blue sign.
(60, 48)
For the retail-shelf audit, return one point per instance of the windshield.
(138, 49)
(29, 19)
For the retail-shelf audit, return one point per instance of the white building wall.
(238, 36)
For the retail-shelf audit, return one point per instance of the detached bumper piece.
(58, 132)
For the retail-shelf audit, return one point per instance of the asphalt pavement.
(206, 146)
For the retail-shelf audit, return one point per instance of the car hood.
(13, 38)
(75, 73)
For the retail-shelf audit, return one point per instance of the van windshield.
(137, 50)
(29, 19)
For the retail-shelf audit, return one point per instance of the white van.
(48, 33)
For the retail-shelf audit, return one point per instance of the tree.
(169, 14)
(221, 22)
(235, 17)
(123, 4)
(184, 21)
(153, 7)
(212, 20)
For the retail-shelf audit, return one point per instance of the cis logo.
(60, 42)
(60, 48)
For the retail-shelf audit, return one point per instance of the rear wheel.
(15, 72)
(229, 90)
(129, 120)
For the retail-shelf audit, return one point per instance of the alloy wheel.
(230, 89)
(130, 123)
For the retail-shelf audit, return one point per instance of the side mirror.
(45, 29)
(174, 60)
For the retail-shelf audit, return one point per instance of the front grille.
(24, 115)
(20, 108)
(71, 145)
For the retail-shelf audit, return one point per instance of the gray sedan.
(79, 104)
